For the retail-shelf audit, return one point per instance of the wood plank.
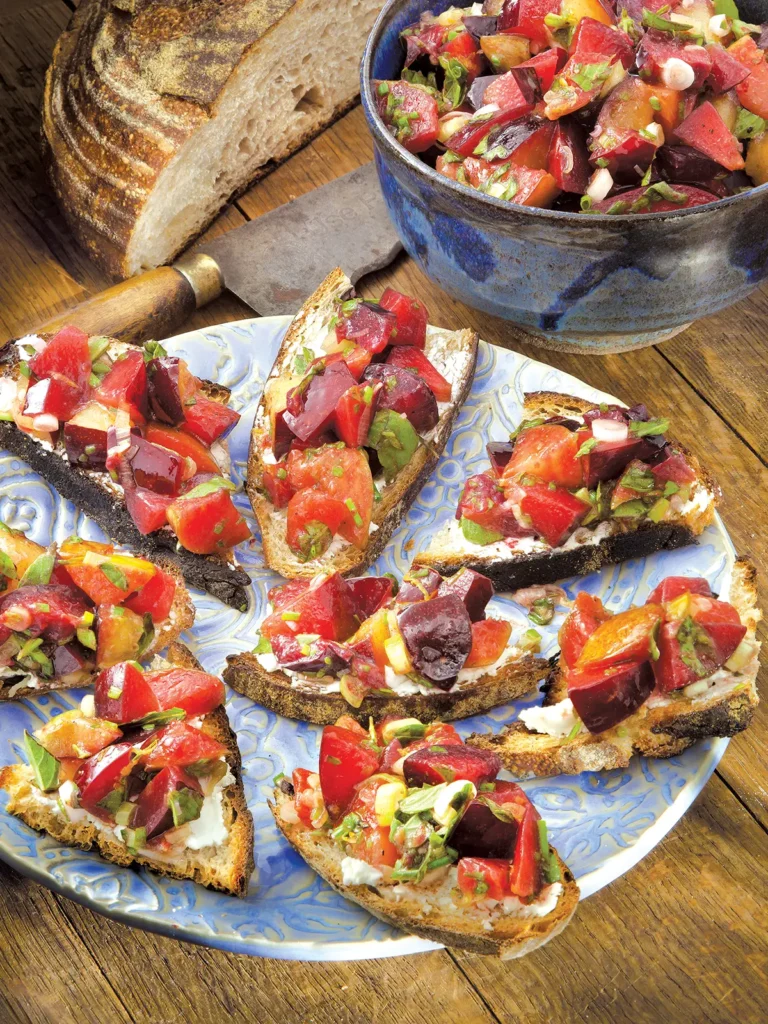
(644, 949)
(26, 44)
(731, 374)
(46, 971)
(171, 980)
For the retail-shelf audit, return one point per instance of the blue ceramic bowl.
(596, 283)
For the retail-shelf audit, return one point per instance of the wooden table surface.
(681, 937)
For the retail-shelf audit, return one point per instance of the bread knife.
(272, 263)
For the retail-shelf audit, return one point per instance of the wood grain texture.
(680, 938)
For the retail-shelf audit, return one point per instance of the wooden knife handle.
(152, 305)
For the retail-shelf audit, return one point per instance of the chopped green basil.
(44, 765)
(39, 572)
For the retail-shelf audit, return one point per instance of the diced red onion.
(609, 430)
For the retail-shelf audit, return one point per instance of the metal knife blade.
(274, 262)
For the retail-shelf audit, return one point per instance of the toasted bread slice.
(227, 867)
(102, 500)
(309, 701)
(454, 354)
(590, 547)
(662, 727)
(429, 911)
(180, 617)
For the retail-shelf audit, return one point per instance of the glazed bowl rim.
(399, 152)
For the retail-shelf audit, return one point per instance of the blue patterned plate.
(602, 824)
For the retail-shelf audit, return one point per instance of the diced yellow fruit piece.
(388, 797)
(756, 163)
(678, 609)
(391, 729)
(740, 657)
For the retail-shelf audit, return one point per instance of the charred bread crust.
(181, 617)
(629, 541)
(229, 874)
(396, 499)
(511, 937)
(218, 577)
(539, 567)
(659, 731)
(273, 690)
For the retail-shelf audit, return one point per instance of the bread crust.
(273, 690)
(229, 870)
(397, 498)
(181, 617)
(216, 575)
(131, 82)
(661, 730)
(631, 540)
(510, 938)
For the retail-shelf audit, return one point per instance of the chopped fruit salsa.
(683, 640)
(140, 420)
(355, 409)
(375, 639)
(409, 803)
(556, 476)
(137, 761)
(591, 105)
(66, 612)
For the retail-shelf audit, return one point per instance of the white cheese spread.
(557, 720)
(358, 872)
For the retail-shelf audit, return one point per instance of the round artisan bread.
(157, 112)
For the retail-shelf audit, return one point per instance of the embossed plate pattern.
(602, 824)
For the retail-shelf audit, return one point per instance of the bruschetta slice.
(73, 609)
(147, 772)
(432, 649)
(134, 439)
(576, 487)
(358, 407)
(416, 827)
(651, 680)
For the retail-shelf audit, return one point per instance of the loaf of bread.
(157, 112)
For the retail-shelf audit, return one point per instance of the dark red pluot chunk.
(608, 459)
(53, 612)
(438, 636)
(430, 766)
(418, 585)
(100, 774)
(480, 833)
(474, 589)
(369, 325)
(156, 468)
(370, 593)
(499, 453)
(604, 697)
(171, 386)
(153, 808)
(405, 393)
(311, 409)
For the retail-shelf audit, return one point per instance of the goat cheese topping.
(358, 872)
(557, 720)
